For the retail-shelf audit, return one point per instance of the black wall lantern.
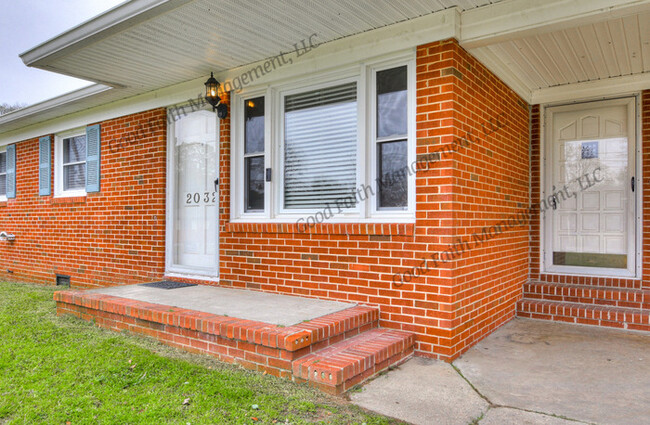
(212, 97)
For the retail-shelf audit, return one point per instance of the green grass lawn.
(60, 370)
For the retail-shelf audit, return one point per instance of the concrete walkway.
(527, 372)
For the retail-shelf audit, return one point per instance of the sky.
(27, 23)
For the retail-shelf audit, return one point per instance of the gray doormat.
(168, 284)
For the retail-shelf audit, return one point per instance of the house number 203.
(198, 197)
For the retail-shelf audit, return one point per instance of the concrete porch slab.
(276, 309)
(526, 372)
(580, 372)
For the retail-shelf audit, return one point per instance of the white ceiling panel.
(607, 49)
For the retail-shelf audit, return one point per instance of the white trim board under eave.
(614, 86)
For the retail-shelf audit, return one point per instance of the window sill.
(80, 199)
(3, 203)
(388, 229)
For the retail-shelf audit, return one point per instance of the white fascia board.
(108, 23)
(591, 89)
(338, 53)
(512, 19)
(55, 102)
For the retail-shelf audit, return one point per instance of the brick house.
(462, 164)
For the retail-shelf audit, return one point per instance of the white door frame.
(634, 114)
(171, 269)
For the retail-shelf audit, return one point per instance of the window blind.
(320, 149)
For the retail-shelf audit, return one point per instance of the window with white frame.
(391, 137)
(3, 172)
(254, 154)
(70, 172)
(340, 145)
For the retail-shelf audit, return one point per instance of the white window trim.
(3, 198)
(58, 164)
(372, 157)
(365, 211)
(638, 213)
(237, 154)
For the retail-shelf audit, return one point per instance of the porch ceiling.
(611, 50)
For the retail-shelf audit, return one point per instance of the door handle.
(216, 185)
(633, 184)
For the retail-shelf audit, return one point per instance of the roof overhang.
(144, 46)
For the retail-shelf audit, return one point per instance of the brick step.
(339, 367)
(254, 345)
(586, 314)
(585, 294)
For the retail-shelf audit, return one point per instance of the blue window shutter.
(11, 171)
(44, 166)
(93, 160)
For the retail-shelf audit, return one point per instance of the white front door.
(192, 196)
(590, 225)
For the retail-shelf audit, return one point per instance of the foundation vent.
(62, 280)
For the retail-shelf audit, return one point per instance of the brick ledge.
(387, 229)
(68, 200)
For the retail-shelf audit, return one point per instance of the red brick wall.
(455, 303)
(535, 194)
(491, 186)
(117, 236)
(113, 237)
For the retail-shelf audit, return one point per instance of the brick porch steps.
(585, 294)
(255, 345)
(586, 314)
(338, 368)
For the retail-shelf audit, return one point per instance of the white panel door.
(194, 210)
(590, 164)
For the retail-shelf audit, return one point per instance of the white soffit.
(195, 37)
(594, 54)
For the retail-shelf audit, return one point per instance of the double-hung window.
(70, 172)
(336, 147)
(3, 173)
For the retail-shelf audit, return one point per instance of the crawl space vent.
(62, 280)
